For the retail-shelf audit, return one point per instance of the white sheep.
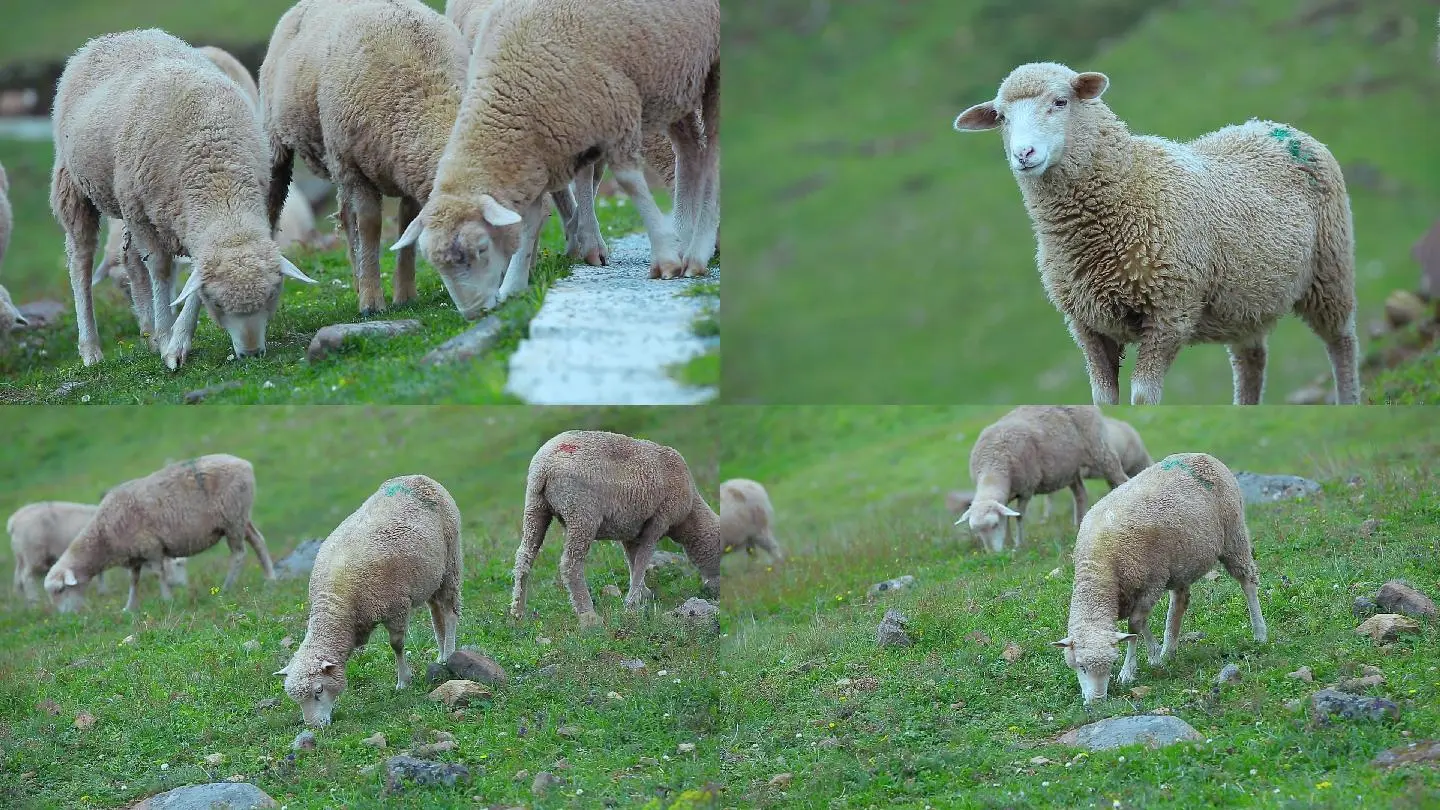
(1160, 531)
(9, 313)
(747, 519)
(606, 485)
(1144, 240)
(398, 551)
(124, 101)
(554, 86)
(40, 533)
(177, 511)
(1127, 444)
(1032, 450)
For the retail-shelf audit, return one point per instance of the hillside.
(818, 716)
(866, 228)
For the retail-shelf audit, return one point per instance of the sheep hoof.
(694, 268)
(90, 355)
(596, 258)
(666, 269)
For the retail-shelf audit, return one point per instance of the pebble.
(896, 584)
(214, 760)
(1302, 674)
(611, 590)
(568, 731)
(685, 748)
(1012, 652)
(544, 780)
(700, 613)
(891, 631)
(251, 646)
(84, 720)
(332, 337)
(1330, 704)
(460, 693)
(472, 665)
(400, 770)
(376, 740)
(781, 780)
(304, 740)
(1230, 673)
(1387, 627)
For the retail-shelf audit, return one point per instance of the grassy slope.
(186, 688)
(856, 185)
(859, 498)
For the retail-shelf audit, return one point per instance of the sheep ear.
(282, 672)
(1119, 637)
(289, 269)
(412, 233)
(495, 213)
(1062, 643)
(1089, 85)
(328, 667)
(70, 578)
(964, 516)
(978, 118)
(192, 286)
(1005, 510)
(21, 319)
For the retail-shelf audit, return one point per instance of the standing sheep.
(1161, 531)
(747, 519)
(600, 484)
(399, 550)
(1144, 240)
(40, 533)
(556, 85)
(177, 511)
(9, 314)
(1125, 440)
(1034, 449)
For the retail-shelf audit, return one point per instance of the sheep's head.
(66, 585)
(989, 520)
(315, 684)
(175, 570)
(238, 280)
(1035, 109)
(10, 315)
(470, 244)
(1092, 655)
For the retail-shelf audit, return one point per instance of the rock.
(332, 337)
(685, 748)
(612, 590)
(472, 665)
(265, 705)
(1421, 751)
(84, 720)
(544, 780)
(613, 695)
(42, 313)
(1387, 627)
(521, 775)
(442, 736)
(1040, 760)
(977, 636)
(201, 394)
(1151, 729)
(1360, 685)
(1397, 596)
(698, 612)
(1229, 673)
(1302, 674)
(1364, 607)
(634, 666)
(891, 632)
(662, 558)
(1403, 308)
(781, 780)
(298, 563)
(1012, 652)
(214, 760)
(251, 646)
(1328, 704)
(1367, 529)
(436, 673)
(48, 706)
(224, 795)
(402, 769)
(467, 345)
(431, 749)
(568, 731)
(376, 740)
(829, 743)
(304, 740)
(1191, 637)
(1256, 488)
(1139, 692)
(890, 585)
(460, 693)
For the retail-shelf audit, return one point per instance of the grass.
(176, 683)
(948, 722)
(705, 369)
(897, 237)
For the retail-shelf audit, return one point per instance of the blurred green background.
(879, 256)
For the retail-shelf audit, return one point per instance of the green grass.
(705, 369)
(186, 687)
(947, 722)
(868, 230)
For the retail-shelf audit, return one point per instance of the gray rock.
(332, 337)
(1364, 607)
(1150, 729)
(475, 666)
(891, 632)
(544, 780)
(890, 585)
(1229, 673)
(1257, 488)
(214, 796)
(200, 395)
(402, 769)
(472, 343)
(700, 613)
(662, 558)
(1330, 704)
(43, 313)
(1398, 596)
(305, 740)
(1422, 751)
(298, 563)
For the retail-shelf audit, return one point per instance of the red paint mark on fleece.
(566, 447)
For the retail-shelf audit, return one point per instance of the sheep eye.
(318, 690)
(999, 118)
(1060, 102)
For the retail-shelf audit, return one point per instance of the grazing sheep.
(1128, 446)
(124, 102)
(237, 72)
(177, 511)
(1145, 240)
(9, 313)
(554, 86)
(747, 519)
(1161, 531)
(399, 550)
(601, 484)
(1034, 449)
(40, 533)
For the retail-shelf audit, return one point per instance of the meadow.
(818, 716)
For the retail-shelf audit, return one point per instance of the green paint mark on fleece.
(395, 486)
(1298, 153)
(1173, 463)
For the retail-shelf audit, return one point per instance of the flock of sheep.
(474, 119)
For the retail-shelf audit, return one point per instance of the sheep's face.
(65, 587)
(1034, 111)
(989, 520)
(239, 284)
(470, 246)
(175, 571)
(1092, 656)
(314, 685)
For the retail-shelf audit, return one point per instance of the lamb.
(177, 511)
(9, 313)
(40, 533)
(554, 86)
(399, 550)
(1162, 530)
(601, 484)
(1145, 240)
(1034, 449)
(747, 519)
(150, 131)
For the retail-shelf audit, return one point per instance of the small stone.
(698, 612)
(544, 780)
(332, 337)
(521, 775)
(376, 740)
(1364, 607)
(1012, 652)
(977, 636)
(781, 780)
(1054, 572)
(1329, 704)
(568, 731)
(1302, 674)
(543, 641)
(251, 646)
(1367, 529)
(614, 696)
(1368, 670)
(1396, 596)
(303, 740)
(633, 665)
(128, 640)
(1151, 729)
(1230, 673)
(431, 749)
(231, 795)
(201, 394)
(1161, 711)
(287, 642)
(84, 720)
(1191, 637)
(650, 762)
(612, 590)
(828, 743)
(891, 631)
(1360, 685)
(889, 585)
(460, 693)
(685, 748)
(1387, 627)
(1139, 692)
(400, 770)
(266, 705)
(475, 666)
(214, 760)
(1039, 761)
(1416, 752)
(561, 764)
(442, 736)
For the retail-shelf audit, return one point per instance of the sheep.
(1162, 530)
(555, 85)
(1165, 244)
(1034, 449)
(10, 315)
(601, 484)
(177, 511)
(747, 519)
(1126, 441)
(40, 533)
(150, 131)
(231, 67)
(399, 550)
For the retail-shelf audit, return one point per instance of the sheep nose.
(1026, 153)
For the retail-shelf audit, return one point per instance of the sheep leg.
(1022, 502)
(1247, 363)
(1179, 600)
(162, 285)
(396, 627)
(133, 602)
(697, 183)
(444, 619)
(1082, 500)
(536, 523)
(365, 220)
(164, 586)
(1102, 363)
(1241, 566)
(236, 541)
(82, 229)
(637, 554)
(405, 291)
(588, 244)
(1328, 307)
(572, 566)
(256, 541)
(143, 299)
(664, 243)
(1345, 364)
(517, 274)
(766, 541)
(183, 332)
(1159, 346)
